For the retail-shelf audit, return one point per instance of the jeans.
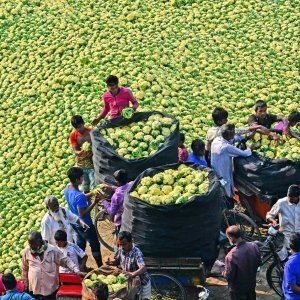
(91, 236)
(88, 180)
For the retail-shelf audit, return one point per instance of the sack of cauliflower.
(147, 139)
(177, 208)
(116, 282)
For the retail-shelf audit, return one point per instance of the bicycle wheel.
(105, 229)
(250, 231)
(274, 276)
(166, 287)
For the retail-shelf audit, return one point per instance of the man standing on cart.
(115, 99)
(288, 211)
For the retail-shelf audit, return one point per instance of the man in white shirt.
(288, 211)
(58, 218)
(71, 250)
(222, 153)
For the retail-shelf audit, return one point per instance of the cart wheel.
(275, 277)
(166, 287)
(250, 231)
(105, 229)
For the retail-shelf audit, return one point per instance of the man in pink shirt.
(115, 99)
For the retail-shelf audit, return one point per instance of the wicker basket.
(87, 293)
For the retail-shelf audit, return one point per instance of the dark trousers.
(40, 297)
(241, 296)
(89, 236)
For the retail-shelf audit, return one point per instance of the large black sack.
(176, 230)
(264, 176)
(107, 161)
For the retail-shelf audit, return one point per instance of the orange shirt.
(85, 159)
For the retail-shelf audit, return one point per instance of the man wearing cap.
(58, 218)
(115, 99)
(288, 211)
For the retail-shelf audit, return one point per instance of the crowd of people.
(60, 246)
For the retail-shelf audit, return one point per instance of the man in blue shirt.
(197, 156)
(79, 205)
(291, 277)
(10, 283)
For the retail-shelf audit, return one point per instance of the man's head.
(293, 194)
(51, 203)
(294, 118)
(9, 281)
(228, 131)
(260, 108)
(35, 242)
(125, 241)
(198, 147)
(295, 242)
(78, 123)
(234, 234)
(60, 237)
(100, 291)
(112, 83)
(219, 116)
(75, 175)
(121, 177)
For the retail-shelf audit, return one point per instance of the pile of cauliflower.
(141, 139)
(173, 186)
(288, 148)
(114, 283)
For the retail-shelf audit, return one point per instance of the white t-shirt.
(73, 252)
(49, 226)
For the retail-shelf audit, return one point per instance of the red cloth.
(115, 104)
(77, 138)
(20, 286)
(182, 154)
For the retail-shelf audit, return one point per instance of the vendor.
(131, 260)
(115, 99)
(261, 117)
(115, 207)
(292, 121)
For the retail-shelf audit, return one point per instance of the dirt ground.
(216, 285)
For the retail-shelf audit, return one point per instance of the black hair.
(100, 290)
(294, 117)
(219, 114)
(227, 129)
(197, 143)
(181, 137)
(121, 176)
(35, 235)
(260, 104)
(295, 242)
(60, 236)
(9, 281)
(125, 235)
(234, 231)
(76, 121)
(75, 173)
(112, 80)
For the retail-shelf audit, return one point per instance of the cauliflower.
(147, 129)
(144, 145)
(135, 129)
(148, 138)
(167, 189)
(86, 146)
(155, 191)
(111, 279)
(167, 121)
(135, 194)
(128, 136)
(123, 144)
(168, 179)
(165, 132)
(155, 133)
(146, 181)
(158, 178)
(156, 125)
(88, 283)
(191, 188)
(142, 190)
(139, 136)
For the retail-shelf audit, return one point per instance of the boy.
(84, 159)
(197, 156)
(115, 99)
(78, 205)
(182, 151)
(71, 250)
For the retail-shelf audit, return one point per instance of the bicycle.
(269, 251)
